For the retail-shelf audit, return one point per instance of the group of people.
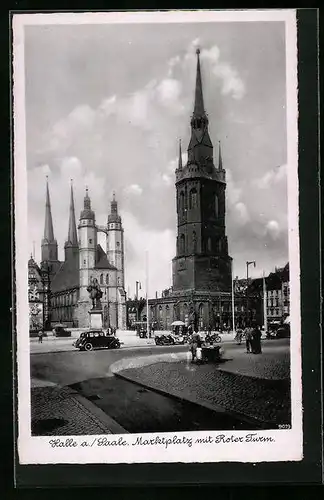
(252, 335)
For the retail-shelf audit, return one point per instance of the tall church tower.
(115, 242)
(49, 243)
(87, 246)
(71, 247)
(202, 262)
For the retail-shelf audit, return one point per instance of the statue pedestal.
(95, 318)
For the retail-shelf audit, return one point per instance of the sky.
(107, 104)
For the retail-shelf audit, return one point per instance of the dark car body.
(60, 331)
(283, 332)
(96, 339)
(169, 339)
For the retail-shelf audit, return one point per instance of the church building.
(66, 298)
(202, 267)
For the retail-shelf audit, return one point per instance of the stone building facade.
(202, 267)
(66, 299)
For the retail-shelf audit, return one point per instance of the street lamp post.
(248, 263)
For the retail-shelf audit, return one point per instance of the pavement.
(57, 410)
(128, 338)
(255, 388)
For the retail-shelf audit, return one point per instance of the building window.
(84, 262)
(194, 242)
(216, 206)
(193, 198)
(220, 246)
(118, 244)
(182, 244)
(101, 279)
(182, 203)
(107, 279)
(209, 244)
(90, 241)
(118, 281)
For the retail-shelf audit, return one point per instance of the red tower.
(202, 262)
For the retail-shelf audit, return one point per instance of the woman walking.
(248, 339)
(256, 340)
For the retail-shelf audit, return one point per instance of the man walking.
(40, 336)
(248, 339)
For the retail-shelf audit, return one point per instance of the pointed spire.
(48, 228)
(72, 233)
(113, 216)
(199, 109)
(87, 213)
(114, 207)
(220, 159)
(180, 156)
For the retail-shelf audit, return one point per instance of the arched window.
(182, 244)
(216, 206)
(193, 198)
(194, 242)
(182, 203)
(209, 244)
(118, 281)
(101, 279)
(107, 279)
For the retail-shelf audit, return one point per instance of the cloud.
(141, 240)
(272, 177)
(134, 189)
(232, 84)
(242, 214)
(273, 229)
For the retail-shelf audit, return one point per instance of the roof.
(66, 277)
(102, 261)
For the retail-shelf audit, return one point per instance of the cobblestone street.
(61, 411)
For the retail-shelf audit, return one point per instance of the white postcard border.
(287, 444)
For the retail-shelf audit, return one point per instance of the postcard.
(156, 237)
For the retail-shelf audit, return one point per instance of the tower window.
(107, 279)
(90, 241)
(193, 199)
(216, 206)
(194, 242)
(84, 262)
(118, 244)
(182, 244)
(182, 203)
(101, 279)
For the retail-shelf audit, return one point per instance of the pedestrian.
(248, 339)
(40, 336)
(256, 340)
(194, 342)
(239, 334)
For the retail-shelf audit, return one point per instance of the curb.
(97, 412)
(260, 424)
(123, 348)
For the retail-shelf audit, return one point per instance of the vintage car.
(60, 331)
(169, 339)
(96, 339)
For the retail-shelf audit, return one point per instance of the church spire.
(199, 110)
(49, 244)
(113, 216)
(72, 233)
(220, 159)
(48, 228)
(180, 156)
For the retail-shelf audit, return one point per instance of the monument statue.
(95, 293)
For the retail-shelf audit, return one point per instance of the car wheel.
(88, 346)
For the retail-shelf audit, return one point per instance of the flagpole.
(265, 315)
(233, 305)
(147, 307)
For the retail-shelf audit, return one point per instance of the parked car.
(169, 339)
(60, 331)
(283, 332)
(96, 339)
